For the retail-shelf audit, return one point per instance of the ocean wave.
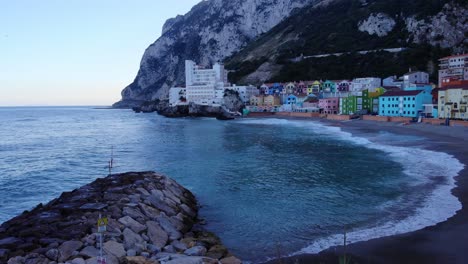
(420, 164)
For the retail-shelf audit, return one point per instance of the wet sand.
(446, 242)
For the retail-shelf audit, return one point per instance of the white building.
(177, 96)
(453, 68)
(205, 86)
(245, 92)
(393, 81)
(417, 77)
(369, 83)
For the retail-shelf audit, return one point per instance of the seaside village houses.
(207, 86)
(411, 95)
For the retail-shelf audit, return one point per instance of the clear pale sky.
(76, 52)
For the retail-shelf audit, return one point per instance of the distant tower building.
(205, 86)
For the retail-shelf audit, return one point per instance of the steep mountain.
(355, 38)
(211, 31)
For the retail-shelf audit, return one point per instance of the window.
(414, 98)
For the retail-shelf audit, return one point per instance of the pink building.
(329, 105)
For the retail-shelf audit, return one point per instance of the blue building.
(275, 89)
(291, 100)
(404, 103)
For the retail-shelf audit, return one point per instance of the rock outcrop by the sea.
(232, 104)
(151, 219)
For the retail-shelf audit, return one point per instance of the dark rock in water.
(146, 213)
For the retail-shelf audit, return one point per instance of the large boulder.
(132, 224)
(66, 250)
(114, 248)
(156, 234)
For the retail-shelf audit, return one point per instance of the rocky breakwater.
(151, 219)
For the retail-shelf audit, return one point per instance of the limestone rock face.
(379, 24)
(448, 28)
(210, 32)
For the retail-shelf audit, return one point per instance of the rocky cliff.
(151, 219)
(210, 32)
(426, 30)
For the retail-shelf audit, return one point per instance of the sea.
(266, 187)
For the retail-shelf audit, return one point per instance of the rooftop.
(463, 86)
(402, 93)
(454, 56)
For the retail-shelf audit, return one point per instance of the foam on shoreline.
(419, 164)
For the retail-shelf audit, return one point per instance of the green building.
(361, 103)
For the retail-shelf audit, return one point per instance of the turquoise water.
(266, 187)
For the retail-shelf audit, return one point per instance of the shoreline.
(439, 243)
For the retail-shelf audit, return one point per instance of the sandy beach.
(446, 242)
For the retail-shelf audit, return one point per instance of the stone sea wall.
(151, 219)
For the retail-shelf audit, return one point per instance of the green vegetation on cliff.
(333, 28)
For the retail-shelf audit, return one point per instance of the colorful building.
(276, 89)
(311, 102)
(314, 87)
(290, 88)
(271, 100)
(329, 86)
(301, 88)
(364, 102)
(257, 100)
(329, 105)
(453, 101)
(404, 103)
(344, 86)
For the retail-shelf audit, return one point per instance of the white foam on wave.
(419, 164)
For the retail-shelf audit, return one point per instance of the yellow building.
(453, 101)
(257, 100)
(272, 100)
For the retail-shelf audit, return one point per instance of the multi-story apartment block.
(453, 68)
(205, 86)
(177, 95)
(453, 101)
(404, 103)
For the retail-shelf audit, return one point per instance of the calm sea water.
(266, 187)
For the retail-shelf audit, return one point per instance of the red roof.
(454, 56)
(402, 93)
(463, 86)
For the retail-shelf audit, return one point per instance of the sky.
(76, 52)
